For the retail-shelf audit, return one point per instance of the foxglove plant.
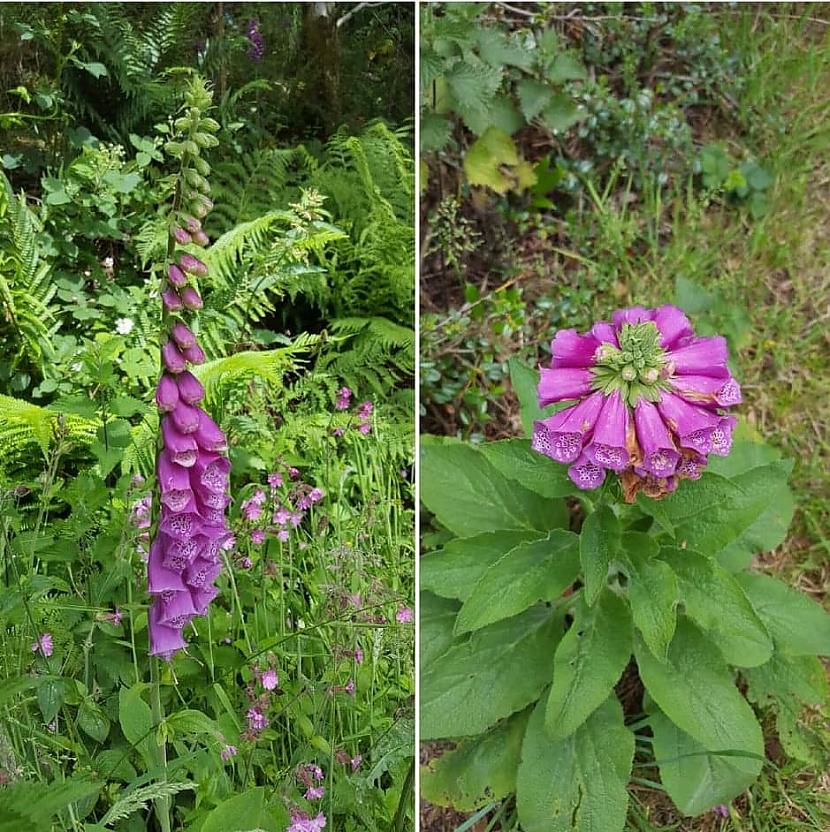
(650, 397)
(192, 467)
(535, 628)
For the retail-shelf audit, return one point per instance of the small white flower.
(76, 367)
(108, 263)
(124, 326)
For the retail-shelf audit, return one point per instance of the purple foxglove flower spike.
(190, 388)
(174, 360)
(649, 401)
(176, 276)
(167, 394)
(191, 298)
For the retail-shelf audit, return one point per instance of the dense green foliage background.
(310, 290)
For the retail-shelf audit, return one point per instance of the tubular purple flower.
(160, 579)
(570, 349)
(176, 276)
(708, 390)
(209, 436)
(192, 224)
(189, 388)
(171, 300)
(194, 354)
(562, 435)
(171, 476)
(700, 356)
(167, 394)
(659, 455)
(200, 239)
(182, 448)
(164, 641)
(212, 471)
(186, 418)
(605, 333)
(722, 436)
(693, 425)
(632, 315)
(202, 598)
(585, 474)
(608, 446)
(192, 265)
(182, 335)
(174, 361)
(176, 609)
(191, 298)
(181, 236)
(563, 384)
(673, 325)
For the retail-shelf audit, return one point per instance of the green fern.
(130, 802)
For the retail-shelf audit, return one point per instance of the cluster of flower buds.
(192, 467)
(256, 50)
(650, 401)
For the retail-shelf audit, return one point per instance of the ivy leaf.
(468, 495)
(695, 778)
(518, 461)
(695, 689)
(499, 670)
(533, 571)
(588, 662)
(797, 624)
(652, 591)
(577, 784)
(599, 541)
(478, 770)
(713, 599)
(453, 571)
(534, 96)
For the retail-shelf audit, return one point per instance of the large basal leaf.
(453, 571)
(436, 619)
(599, 542)
(242, 813)
(652, 591)
(714, 599)
(515, 459)
(534, 571)
(695, 689)
(468, 495)
(577, 784)
(589, 660)
(796, 623)
(525, 380)
(136, 720)
(711, 513)
(696, 779)
(479, 770)
(496, 672)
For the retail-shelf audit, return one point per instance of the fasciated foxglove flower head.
(648, 401)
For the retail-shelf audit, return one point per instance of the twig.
(352, 12)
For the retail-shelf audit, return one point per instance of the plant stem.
(162, 804)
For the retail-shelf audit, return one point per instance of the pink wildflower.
(269, 679)
(227, 752)
(404, 615)
(43, 645)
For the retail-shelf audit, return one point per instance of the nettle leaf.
(652, 591)
(499, 670)
(497, 49)
(479, 770)
(534, 96)
(714, 599)
(709, 514)
(588, 662)
(453, 571)
(435, 131)
(516, 460)
(577, 784)
(493, 161)
(694, 778)
(533, 571)
(562, 113)
(797, 624)
(436, 620)
(696, 690)
(468, 495)
(599, 542)
(566, 67)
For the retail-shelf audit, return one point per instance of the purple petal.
(660, 457)
(570, 349)
(562, 435)
(164, 641)
(200, 238)
(177, 555)
(722, 436)
(692, 424)
(585, 474)
(160, 579)
(192, 264)
(182, 448)
(631, 315)
(173, 360)
(211, 471)
(202, 598)
(701, 356)
(202, 573)
(172, 301)
(608, 446)
(181, 236)
(190, 388)
(209, 437)
(708, 390)
(182, 335)
(605, 333)
(191, 298)
(181, 526)
(562, 384)
(167, 394)
(186, 418)
(176, 276)
(176, 609)
(673, 325)
(194, 354)
(171, 476)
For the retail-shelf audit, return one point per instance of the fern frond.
(130, 802)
